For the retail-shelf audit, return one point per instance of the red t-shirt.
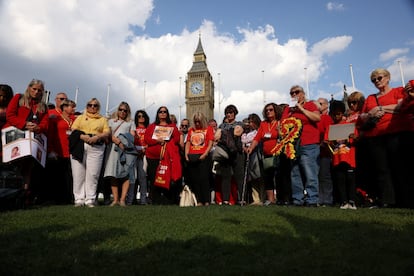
(343, 151)
(139, 137)
(389, 123)
(310, 131)
(199, 139)
(268, 134)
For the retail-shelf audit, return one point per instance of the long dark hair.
(146, 117)
(9, 93)
(157, 119)
(264, 110)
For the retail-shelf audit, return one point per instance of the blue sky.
(256, 46)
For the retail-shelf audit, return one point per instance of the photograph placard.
(340, 131)
(163, 132)
(19, 143)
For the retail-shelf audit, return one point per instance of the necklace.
(271, 125)
(67, 119)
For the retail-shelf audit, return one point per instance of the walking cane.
(246, 171)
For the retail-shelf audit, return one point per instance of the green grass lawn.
(215, 240)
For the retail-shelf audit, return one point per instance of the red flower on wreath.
(289, 133)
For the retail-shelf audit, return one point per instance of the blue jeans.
(304, 175)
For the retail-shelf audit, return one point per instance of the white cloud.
(333, 6)
(393, 53)
(44, 29)
(83, 44)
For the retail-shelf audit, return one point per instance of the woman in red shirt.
(199, 142)
(389, 142)
(343, 159)
(267, 136)
(28, 112)
(155, 140)
(305, 168)
(63, 125)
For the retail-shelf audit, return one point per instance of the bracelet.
(380, 107)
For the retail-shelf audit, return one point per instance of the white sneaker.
(344, 206)
(352, 206)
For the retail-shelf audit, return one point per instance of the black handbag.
(192, 158)
(270, 162)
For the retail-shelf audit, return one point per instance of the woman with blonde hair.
(28, 112)
(89, 133)
(120, 124)
(200, 139)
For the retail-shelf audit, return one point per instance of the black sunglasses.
(295, 92)
(184, 125)
(162, 111)
(140, 116)
(93, 105)
(62, 99)
(123, 110)
(374, 80)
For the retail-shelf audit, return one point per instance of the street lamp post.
(145, 84)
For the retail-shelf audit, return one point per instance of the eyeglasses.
(352, 102)
(162, 111)
(140, 116)
(93, 105)
(293, 93)
(269, 109)
(123, 110)
(62, 99)
(374, 80)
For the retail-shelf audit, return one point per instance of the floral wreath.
(289, 133)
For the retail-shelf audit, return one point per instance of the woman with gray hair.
(389, 143)
(305, 168)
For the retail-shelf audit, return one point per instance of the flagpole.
(307, 83)
(401, 73)
(352, 77)
(264, 93)
(219, 97)
(145, 84)
(76, 95)
(107, 100)
(179, 102)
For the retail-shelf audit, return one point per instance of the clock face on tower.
(196, 88)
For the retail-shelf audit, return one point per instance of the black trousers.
(198, 179)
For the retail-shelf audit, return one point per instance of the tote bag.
(163, 172)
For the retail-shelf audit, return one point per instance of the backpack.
(228, 142)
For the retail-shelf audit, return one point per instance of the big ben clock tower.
(199, 86)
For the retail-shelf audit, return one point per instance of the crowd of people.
(351, 153)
